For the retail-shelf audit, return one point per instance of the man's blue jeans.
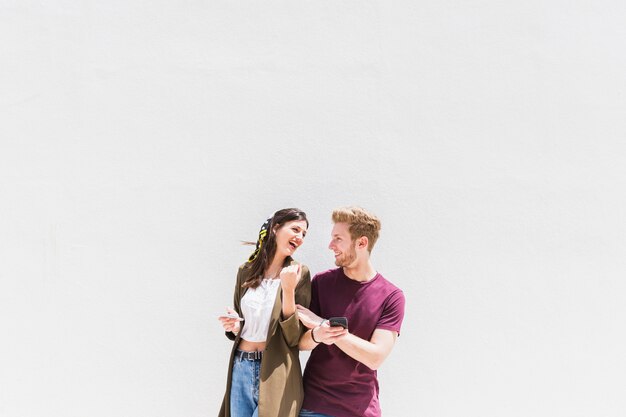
(244, 389)
(307, 413)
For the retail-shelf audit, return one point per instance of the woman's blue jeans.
(244, 389)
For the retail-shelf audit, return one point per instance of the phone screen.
(339, 321)
(231, 316)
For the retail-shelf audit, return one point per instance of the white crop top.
(256, 307)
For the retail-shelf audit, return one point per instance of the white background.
(140, 141)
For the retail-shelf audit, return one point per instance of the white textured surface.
(141, 140)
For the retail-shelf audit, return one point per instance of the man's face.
(342, 245)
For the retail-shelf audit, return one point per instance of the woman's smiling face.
(290, 236)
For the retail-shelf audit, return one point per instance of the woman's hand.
(308, 318)
(231, 321)
(289, 277)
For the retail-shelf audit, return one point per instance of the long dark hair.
(266, 244)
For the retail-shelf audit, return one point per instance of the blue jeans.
(244, 389)
(307, 413)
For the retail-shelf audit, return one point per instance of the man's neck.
(361, 272)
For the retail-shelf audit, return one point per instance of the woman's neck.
(273, 270)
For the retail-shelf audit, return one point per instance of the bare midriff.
(248, 346)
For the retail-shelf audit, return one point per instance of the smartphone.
(231, 316)
(339, 321)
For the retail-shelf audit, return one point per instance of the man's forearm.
(368, 353)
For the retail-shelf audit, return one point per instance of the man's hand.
(308, 318)
(327, 334)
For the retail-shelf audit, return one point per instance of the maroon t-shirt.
(334, 383)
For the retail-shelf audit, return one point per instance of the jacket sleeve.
(237, 300)
(291, 327)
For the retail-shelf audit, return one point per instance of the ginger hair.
(360, 223)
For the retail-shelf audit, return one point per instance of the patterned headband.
(260, 240)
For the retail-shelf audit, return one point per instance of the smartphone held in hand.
(338, 321)
(230, 316)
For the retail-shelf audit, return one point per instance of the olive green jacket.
(280, 387)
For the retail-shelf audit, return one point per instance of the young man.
(340, 375)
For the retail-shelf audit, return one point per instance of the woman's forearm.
(289, 304)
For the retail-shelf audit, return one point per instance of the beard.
(346, 258)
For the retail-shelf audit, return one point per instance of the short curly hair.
(360, 223)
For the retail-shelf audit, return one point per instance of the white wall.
(141, 140)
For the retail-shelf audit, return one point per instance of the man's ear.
(362, 242)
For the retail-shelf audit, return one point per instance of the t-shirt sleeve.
(393, 312)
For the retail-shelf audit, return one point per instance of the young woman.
(264, 374)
